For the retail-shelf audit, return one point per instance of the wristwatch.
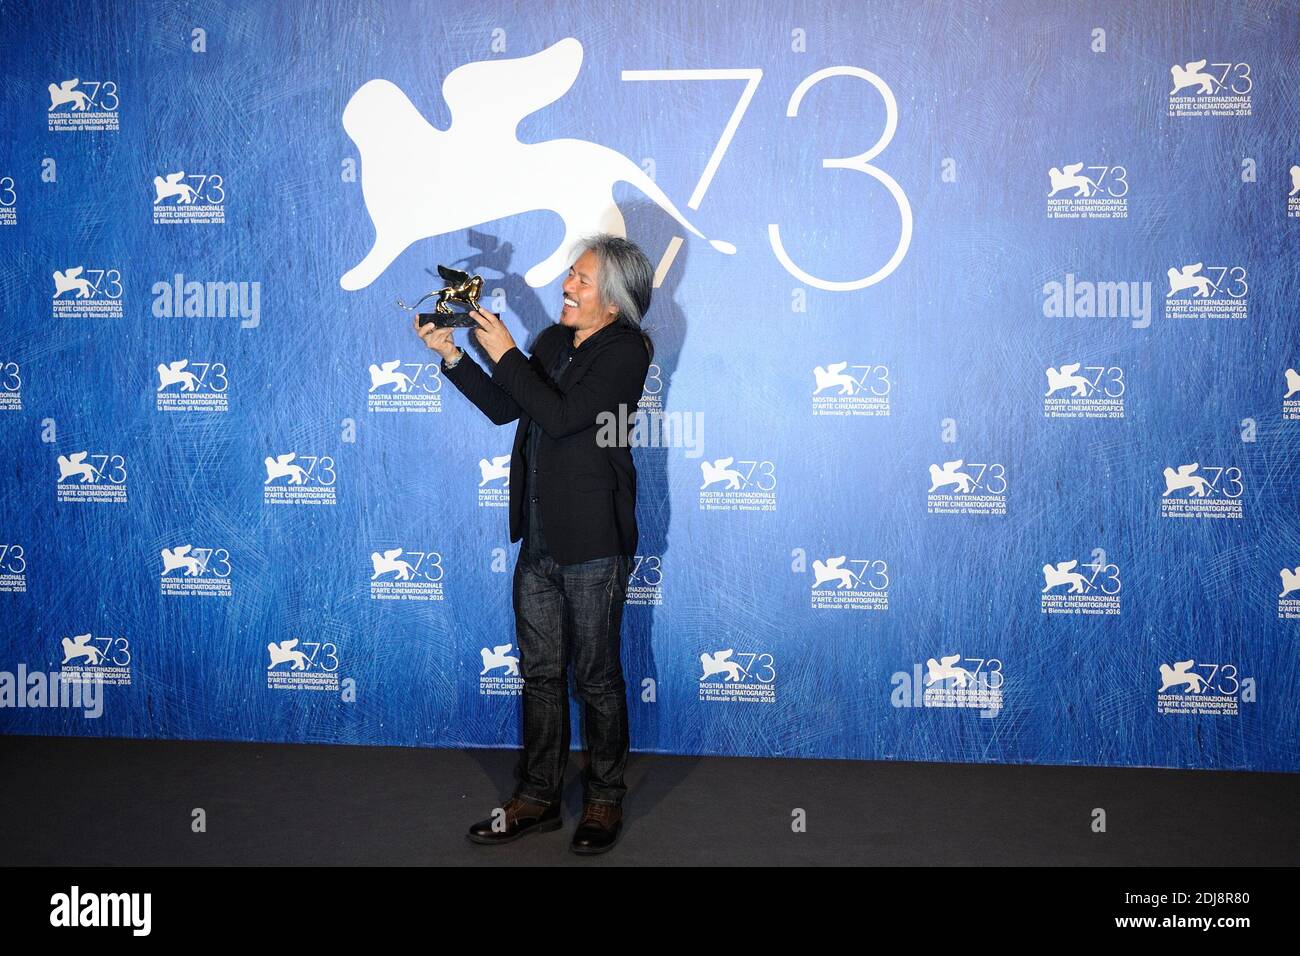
(460, 354)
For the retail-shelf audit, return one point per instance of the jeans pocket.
(619, 573)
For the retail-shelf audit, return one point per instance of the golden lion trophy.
(462, 289)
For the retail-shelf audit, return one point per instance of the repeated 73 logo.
(654, 383)
(304, 655)
(1110, 180)
(1084, 381)
(87, 283)
(1063, 574)
(835, 376)
(1211, 81)
(968, 477)
(91, 469)
(739, 475)
(647, 571)
(193, 376)
(95, 651)
(82, 96)
(419, 375)
(194, 562)
(1193, 678)
(301, 469)
(730, 667)
(1208, 281)
(187, 189)
(13, 559)
(407, 565)
(841, 571)
(986, 674)
(1204, 481)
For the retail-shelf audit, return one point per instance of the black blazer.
(587, 493)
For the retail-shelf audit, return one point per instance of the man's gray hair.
(625, 278)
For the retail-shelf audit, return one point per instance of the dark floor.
(90, 802)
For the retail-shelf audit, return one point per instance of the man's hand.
(492, 334)
(437, 339)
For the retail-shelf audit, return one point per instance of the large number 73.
(860, 162)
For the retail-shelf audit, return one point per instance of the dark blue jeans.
(571, 613)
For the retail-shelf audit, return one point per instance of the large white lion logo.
(420, 182)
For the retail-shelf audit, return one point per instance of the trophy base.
(454, 320)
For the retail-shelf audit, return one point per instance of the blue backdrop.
(980, 446)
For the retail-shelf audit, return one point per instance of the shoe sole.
(497, 841)
(594, 851)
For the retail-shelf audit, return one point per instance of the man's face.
(582, 309)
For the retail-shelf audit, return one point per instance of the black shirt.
(533, 539)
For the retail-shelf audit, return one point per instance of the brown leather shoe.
(519, 817)
(599, 828)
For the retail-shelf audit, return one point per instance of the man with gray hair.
(573, 503)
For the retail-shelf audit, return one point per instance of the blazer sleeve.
(486, 394)
(614, 378)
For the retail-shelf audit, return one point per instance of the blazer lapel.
(582, 359)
